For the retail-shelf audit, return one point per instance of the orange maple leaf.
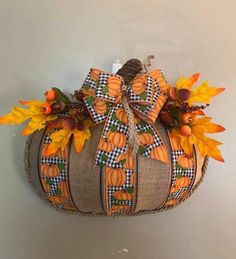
(206, 146)
(61, 138)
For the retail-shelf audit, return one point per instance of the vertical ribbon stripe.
(54, 175)
(183, 174)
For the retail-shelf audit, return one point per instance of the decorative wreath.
(128, 103)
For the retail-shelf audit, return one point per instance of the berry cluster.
(177, 112)
(70, 115)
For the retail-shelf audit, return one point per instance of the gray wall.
(55, 42)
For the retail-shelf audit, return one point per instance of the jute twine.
(133, 139)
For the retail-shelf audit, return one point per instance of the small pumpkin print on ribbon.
(184, 170)
(144, 98)
(53, 175)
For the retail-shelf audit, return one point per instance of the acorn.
(184, 94)
(167, 120)
(46, 109)
(58, 106)
(185, 130)
(80, 126)
(173, 94)
(186, 118)
(50, 95)
(68, 123)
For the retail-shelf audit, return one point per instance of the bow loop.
(103, 96)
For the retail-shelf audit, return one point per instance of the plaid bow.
(104, 93)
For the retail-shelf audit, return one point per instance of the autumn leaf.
(206, 146)
(204, 125)
(204, 93)
(80, 137)
(18, 115)
(61, 138)
(187, 83)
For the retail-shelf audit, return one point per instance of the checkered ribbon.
(104, 93)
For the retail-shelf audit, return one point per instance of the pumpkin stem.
(130, 69)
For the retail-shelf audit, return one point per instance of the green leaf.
(130, 189)
(141, 149)
(101, 164)
(85, 86)
(142, 123)
(179, 176)
(143, 108)
(143, 95)
(49, 182)
(122, 162)
(150, 131)
(105, 89)
(90, 100)
(60, 97)
(113, 128)
(104, 157)
(114, 117)
(106, 113)
(61, 166)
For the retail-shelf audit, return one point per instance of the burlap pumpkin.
(72, 182)
(81, 187)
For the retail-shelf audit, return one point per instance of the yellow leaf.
(204, 125)
(187, 83)
(208, 147)
(59, 139)
(204, 93)
(186, 144)
(19, 115)
(80, 137)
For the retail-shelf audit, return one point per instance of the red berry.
(58, 106)
(68, 123)
(46, 108)
(183, 94)
(50, 95)
(185, 130)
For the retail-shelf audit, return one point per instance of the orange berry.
(186, 118)
(185, 130)
(50, 95)
(46, 108)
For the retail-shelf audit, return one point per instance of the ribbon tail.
(114, 138)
